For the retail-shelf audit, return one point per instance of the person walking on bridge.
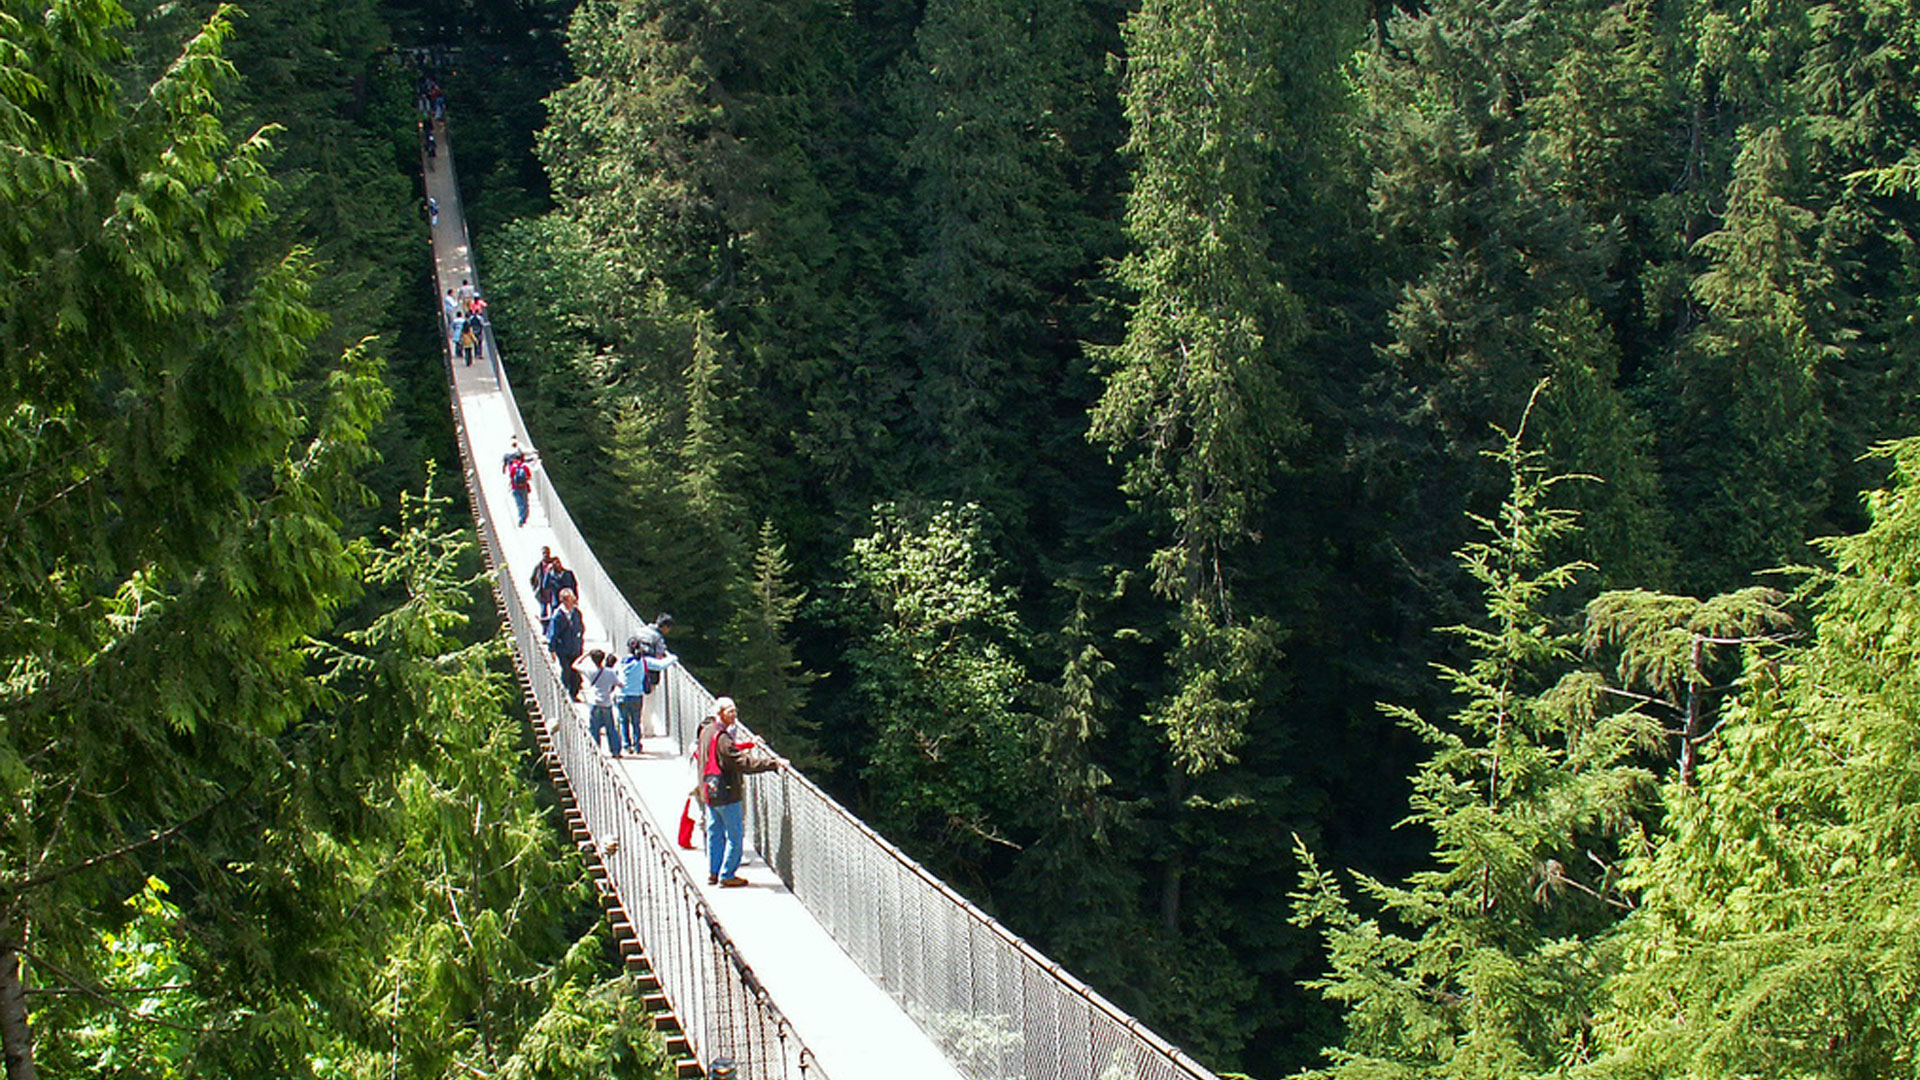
(469, 345)
(566, 636)
(559, 578)
(518, 465)
(599, 677)
(724, 763)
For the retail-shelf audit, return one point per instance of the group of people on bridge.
(595, 676)
(464, 315)
(616, 690)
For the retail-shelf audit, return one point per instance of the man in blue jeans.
(518, 465)
(724, 761)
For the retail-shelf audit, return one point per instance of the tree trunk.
(1690, 740)
(16, 1037)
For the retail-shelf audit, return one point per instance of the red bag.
(686, 824)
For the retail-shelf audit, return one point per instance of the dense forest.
(268, 802)
(1117, 439)
(1380, 534)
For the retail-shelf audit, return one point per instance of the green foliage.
(1592, 430)
(937, 673)
(812, 258)
(766, 678)
(990, 99)
(1197, 394)
(470, 974)
(1764, 458)
(150, 1009)
(1777, 926)
(184, 446)
(1490, 963)
(173, 534)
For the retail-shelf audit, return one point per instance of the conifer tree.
(766, 677)
(1591, 428)
(1778, 926)
(1497, 261)
(1757, 448)
(1197, 397)
(172, 534)
(988, 96)
(1489, 964)
(462, 890)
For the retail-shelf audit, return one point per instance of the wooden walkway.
(853, 1029)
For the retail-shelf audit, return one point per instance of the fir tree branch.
(102, 995)
(51, 876)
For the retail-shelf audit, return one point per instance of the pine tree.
(1758, 446)
(988, 104)
(766, 678)
(1197, 397)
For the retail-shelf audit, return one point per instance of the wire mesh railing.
(997, 1007)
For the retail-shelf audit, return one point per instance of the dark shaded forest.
(1378, 534)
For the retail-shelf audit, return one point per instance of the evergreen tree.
(1204, 404)
(989, 100)
(1757, 450)
(766, 677)
(1591, 426)
(1197, 396)
(466, 899)
(173, 534)
(1490, 963)
(1777, 924)
(1498, 264)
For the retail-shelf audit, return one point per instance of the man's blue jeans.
(726, 832)
(601, 717)
(520, 503)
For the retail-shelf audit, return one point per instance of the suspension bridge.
(843, 959)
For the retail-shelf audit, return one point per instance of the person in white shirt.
(598, 678)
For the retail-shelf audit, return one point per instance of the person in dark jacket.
(544, 593)
(566, 637)
(724, 762)
(559, 580)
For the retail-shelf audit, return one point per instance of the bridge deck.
(853, 1028)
